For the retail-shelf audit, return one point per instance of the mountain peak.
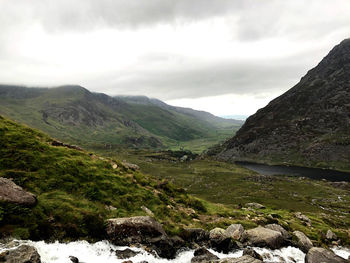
(309, 124)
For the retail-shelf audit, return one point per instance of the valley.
(138, 172)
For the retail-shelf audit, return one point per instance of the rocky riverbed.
(143, 239)
(104, 251)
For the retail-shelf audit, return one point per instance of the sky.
(224, 56)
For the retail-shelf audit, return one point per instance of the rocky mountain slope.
(307, 125)
(95, 120)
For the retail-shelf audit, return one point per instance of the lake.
(312, 173)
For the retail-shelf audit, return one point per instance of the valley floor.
(230, 187)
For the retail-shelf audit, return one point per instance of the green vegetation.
(99, 122)
(77, 191)
(229, 187)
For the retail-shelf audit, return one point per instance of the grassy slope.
(173, 129)
(233, 186)
(73, 189)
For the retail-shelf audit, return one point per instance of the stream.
(103, 251)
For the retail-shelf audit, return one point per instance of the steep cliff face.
(308, 125)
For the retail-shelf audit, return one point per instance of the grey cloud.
(88, 14)
(234, 77)
(253, 19)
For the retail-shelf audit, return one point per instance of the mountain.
(307, 125)
(94, 120)
(75, 191)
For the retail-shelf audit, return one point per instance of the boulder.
(330, 235)
(255, 205)
(195, 235)
(216, 233)
(202, 255)
(264, 237)
(22, 254)
(285, 234)
(321, 255)
(126, 253)
(12, 193)
(131, 166)
(243, 259)
(251, 252)
(220, 242)
(178, 242)
(302, 241)
(303, 218)
(74, 259)
(140, 230)
(234, 231)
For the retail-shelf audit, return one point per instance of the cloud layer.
(173, 50)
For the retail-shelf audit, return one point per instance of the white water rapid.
(103, 251)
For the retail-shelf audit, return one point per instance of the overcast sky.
(223, 56)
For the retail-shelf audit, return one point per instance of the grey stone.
(234, 231)
(243, 259)
(12, 193)
(302, 241)
(330, 235)
(264, 237)
(321, 255)
(285, 234)
(202, 255)
(22, 254)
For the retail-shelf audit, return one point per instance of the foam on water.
(342, 252)
(103, 251)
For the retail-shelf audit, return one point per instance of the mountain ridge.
(307, 125)
(74, 114)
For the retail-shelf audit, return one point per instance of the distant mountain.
(235, 117)
(307, 125)
(95, 120)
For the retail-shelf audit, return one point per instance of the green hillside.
(97, 121)
(77, 190)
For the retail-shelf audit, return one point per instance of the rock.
(74, 259)
(264, 237)
(203, 255)
(254, 205)
(140, 230)
(321, 255)
(251, 252)
(58, 143)
(285, 234)
(243, 259)
(12, 193)
(290, 124)
(302, 241)
(126, 253)
(131, 166)
(163, 246)
(147, 211)
(234, 231)
(303, 218)
(330, 235)
(220, 242)
(22, 254)
(178, 242)
(195, 235)
(216, 233)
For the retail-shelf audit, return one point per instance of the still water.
(312, 173)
